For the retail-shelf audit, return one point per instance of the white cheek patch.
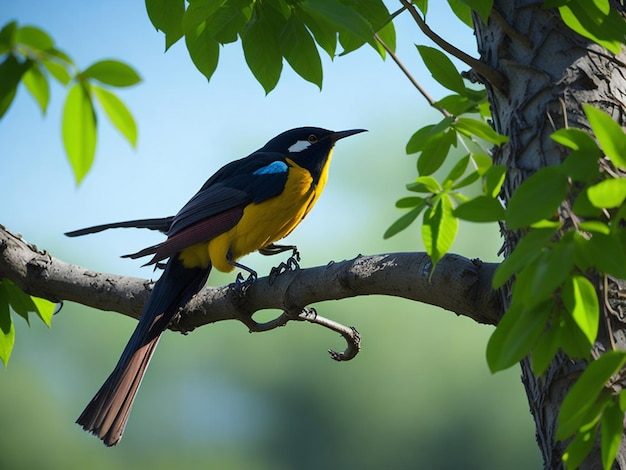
(299, 146)
(274, 167)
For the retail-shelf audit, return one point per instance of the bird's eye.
(312, 138)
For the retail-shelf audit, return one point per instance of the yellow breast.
(262, 223)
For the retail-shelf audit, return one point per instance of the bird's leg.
(291, 264)
(240, 283)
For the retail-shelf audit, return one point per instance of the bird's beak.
(335, 136)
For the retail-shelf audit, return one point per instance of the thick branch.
(458, 284)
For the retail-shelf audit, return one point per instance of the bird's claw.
(241, 284)
(292, 264)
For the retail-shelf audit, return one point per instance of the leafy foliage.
(29, 56)
(13, 299)
(272, 31)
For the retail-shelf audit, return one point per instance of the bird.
(246, 206)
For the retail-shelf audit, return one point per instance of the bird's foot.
(292, 264)
(241, 284)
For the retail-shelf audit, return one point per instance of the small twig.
(510, 31)
(494, 77)
(349, 333)
(411, 78)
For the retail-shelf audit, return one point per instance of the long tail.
(107, 413)
(162, 225)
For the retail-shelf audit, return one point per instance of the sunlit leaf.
(609, 133)
(33, 37)
(118, 113)
(435, 152)
(112, 72)
(439, 228)
(608, 193)
(581, 301)
(37, 85)
(79, 130)
(578, 449)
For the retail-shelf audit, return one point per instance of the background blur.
(418, 396)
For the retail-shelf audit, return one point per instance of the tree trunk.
(551, 72)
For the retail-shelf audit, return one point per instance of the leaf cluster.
(554, 304)
(273, 30)
(29, 56)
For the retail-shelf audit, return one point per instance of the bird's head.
(308, 147)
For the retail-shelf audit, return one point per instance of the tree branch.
(458, 284)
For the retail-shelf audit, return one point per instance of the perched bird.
(246, 206)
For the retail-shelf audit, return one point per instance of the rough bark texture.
(551, 72)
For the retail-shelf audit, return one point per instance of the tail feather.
(107, 413)
(161, 224)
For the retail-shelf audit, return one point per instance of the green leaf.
(537, 198)
(480, 209)
(578, 449)
(516, 334)
(538, 280)
(375, 14)
(45, 309)
(37, 85)
(595, 20)
(58, 71)
(608, 193)
(118, 113)
(113, 73)
(546, 347)
(439, 228)
(340, 15)
(606, 254)
(324, 33)
(20, 302)
(79, 130)
(167, 16)
(581, 302)
(203, 50)
(582, 396)
(435, 152)
(576, 139)
(230, 20)
(11, 71)
(469, 179)
(528, 248)
(482, 7)
(462, 12)
(199, 12)
(7, 37)
(483, 162)
(419, 138)
(261, 48)
(7, 329)
(404, 221)
(609, 133)
(34, 38)
(594, 226)
(494, 177)
(298, 48)
(612, 428)
(457, 171)
(424, 184)
(442, 69)
(480, 129)
(407, 202)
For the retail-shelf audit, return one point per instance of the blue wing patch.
(274, 167)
